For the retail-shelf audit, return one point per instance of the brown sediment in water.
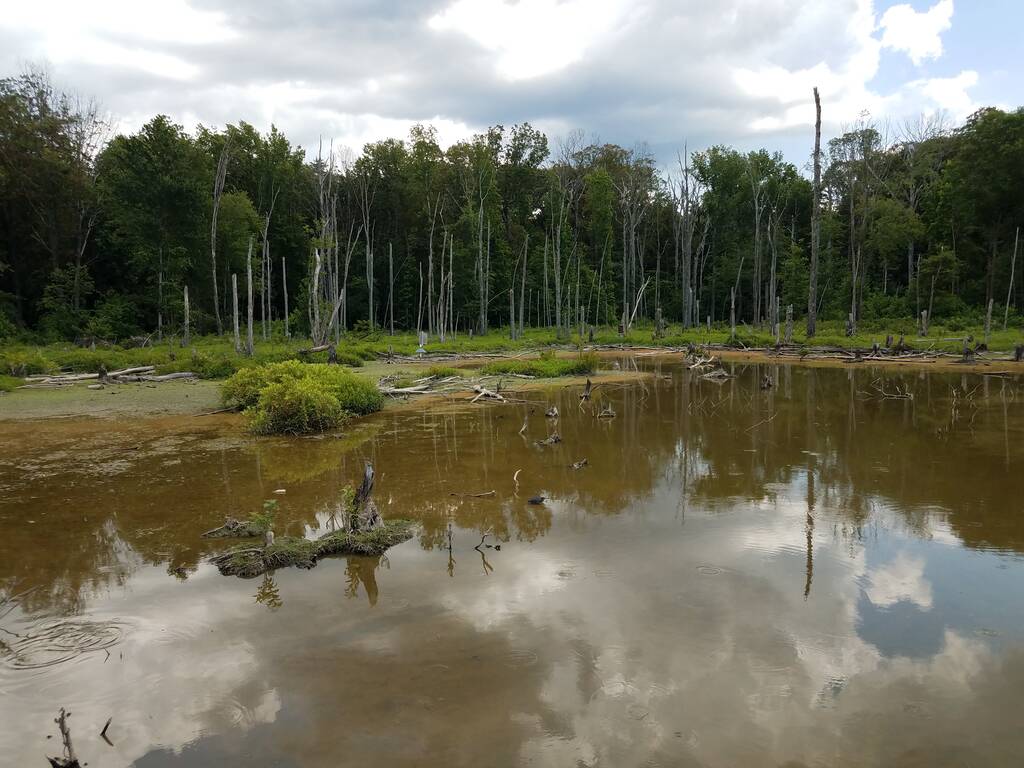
(288, 551)
(808, 574)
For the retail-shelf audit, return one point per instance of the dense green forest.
(101, 235)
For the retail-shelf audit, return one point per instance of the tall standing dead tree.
(812, 284)
(218, 192)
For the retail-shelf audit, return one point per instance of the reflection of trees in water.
(363, 571)
(61, 572)
(268, 593)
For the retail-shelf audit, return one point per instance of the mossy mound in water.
(237, 529)
(303, 553)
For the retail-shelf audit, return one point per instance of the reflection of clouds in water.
(176, 677)
(901, 579)
(742, 646)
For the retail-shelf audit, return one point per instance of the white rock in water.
(280, 490)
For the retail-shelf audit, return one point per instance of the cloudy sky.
(661, 71)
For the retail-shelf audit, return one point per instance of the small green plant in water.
(264, 519)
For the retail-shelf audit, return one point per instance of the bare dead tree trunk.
(187, 339)
(284, 289)
(391, 290)
(160, 297)
(512, 310)
(419, 306)
(249, 347)
(547, 313)
(1013, 269)
(732, 312)
(234, 313)
(522, 286)
(812, 286)
(218, 191)
(988, 320)
(789, 323)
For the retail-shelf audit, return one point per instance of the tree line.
(102, 236)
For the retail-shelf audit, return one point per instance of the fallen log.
(483, 392)
(127, 371)
(171, 376)
(395, 391)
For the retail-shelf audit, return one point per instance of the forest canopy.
(100, 234)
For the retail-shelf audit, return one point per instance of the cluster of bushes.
(547, 366)
(294, 398)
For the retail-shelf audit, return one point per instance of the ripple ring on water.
(709, 570)
(52, 643)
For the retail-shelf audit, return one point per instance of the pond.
(821, 572)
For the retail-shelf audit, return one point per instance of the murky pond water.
(811, 574)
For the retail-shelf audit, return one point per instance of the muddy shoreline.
(201, 398)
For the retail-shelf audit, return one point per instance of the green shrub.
(243, 389)
(9, 383)
(25, 362)
(296, 407)
(356, 395)
(293, 397)
(353, 361)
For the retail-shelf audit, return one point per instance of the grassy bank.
(214, 358)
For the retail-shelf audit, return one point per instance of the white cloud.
(661, 71)
(950, 94)
(532, 37)
(118, 33)
(901, 580)
(919, 35)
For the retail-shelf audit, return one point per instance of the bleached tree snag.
(391, 291)
(284, 290)
(789, 323)
(186, 338)
(988, 320)
(218, 191)
(365, 516)
(248, 281)
(812, 284)
(732, 313)
(1009, 291)
(234, 313)
(482, 392)
(587, 391)
(922, 328)
(419, 305)
(522, 285)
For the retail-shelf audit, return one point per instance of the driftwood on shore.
(143, 373)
